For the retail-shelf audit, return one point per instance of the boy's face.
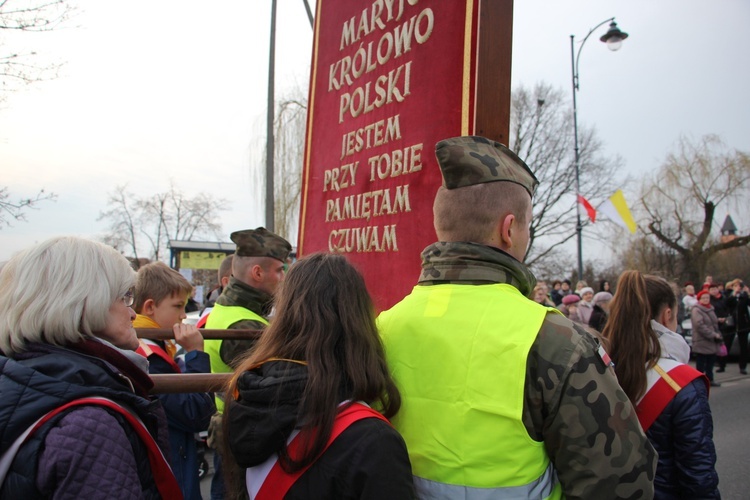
(170, 310)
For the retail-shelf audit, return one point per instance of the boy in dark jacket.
(161, 294)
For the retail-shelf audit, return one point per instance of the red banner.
(389, 79)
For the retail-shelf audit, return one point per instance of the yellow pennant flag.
(616, 210)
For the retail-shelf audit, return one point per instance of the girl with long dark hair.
(671, 398)
(320, 360)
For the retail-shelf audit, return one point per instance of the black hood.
(266, 412)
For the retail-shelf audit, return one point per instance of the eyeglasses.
(128, 299)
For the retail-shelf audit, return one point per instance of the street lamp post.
(270, 113)
(613, 38)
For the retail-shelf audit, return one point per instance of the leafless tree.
(648, 256)
(16, 210)
(20, 68)
(153, 221)
(541, 133)
(290, 126)
(125, 221)
(679, 203)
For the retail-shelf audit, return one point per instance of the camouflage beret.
(260, 242)
(469, 160)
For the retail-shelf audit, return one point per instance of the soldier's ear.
(256, 272)
(508, 229)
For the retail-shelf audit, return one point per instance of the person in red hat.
(569, 307)
(706, 336)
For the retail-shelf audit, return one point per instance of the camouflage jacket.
(237, 293)
(572, 401)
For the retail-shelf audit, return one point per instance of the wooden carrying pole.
(193, 382)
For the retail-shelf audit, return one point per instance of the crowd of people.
(466, 388)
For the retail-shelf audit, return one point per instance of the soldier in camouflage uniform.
(245, 303)
(500, 395)
(257, 270)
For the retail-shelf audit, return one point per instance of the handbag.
(723, 350)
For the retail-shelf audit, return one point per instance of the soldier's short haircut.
(157, 281)
(225, 268)
(241, 266)
(472, 213)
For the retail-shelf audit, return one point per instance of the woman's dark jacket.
(85, 452)
(367, 461)
(686, 468)
(598, 318)
(739, 307)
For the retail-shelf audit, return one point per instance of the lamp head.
(613, 37)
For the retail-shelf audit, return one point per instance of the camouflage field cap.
(469, 160)
(260, 242)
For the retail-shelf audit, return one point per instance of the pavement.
(731, 374)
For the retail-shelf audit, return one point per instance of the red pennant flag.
(589, 209)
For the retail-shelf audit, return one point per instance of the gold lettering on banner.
(395, 163)
(392, 87)
(369, 204)
(363, 239)
(341, 177)
(368, 57)
(371, 135)
(374, 70)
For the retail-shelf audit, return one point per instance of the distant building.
(199, 261)
(728, 230)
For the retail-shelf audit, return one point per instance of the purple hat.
(571, 299)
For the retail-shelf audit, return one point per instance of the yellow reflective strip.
(674, 385)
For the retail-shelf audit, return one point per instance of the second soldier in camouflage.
(502, 396)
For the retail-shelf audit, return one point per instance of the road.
(730, 406)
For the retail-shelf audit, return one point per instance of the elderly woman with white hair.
(75, 417)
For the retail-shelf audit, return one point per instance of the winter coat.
(368, 459)
(739, 307)
(585, 309)
(598, 318)
(706, 335)
(85, 452)
(683, 435)
(187, 414)
(722, 311)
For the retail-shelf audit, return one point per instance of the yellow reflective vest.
(220, 318)
(458, 355)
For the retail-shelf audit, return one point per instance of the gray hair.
(60, 292)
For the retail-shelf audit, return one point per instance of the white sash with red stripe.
(664, 381)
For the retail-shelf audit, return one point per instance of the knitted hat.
(586, 289)
(701, 294)
(602, 297)
(571, 299)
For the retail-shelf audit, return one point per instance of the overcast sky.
(160, 90)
